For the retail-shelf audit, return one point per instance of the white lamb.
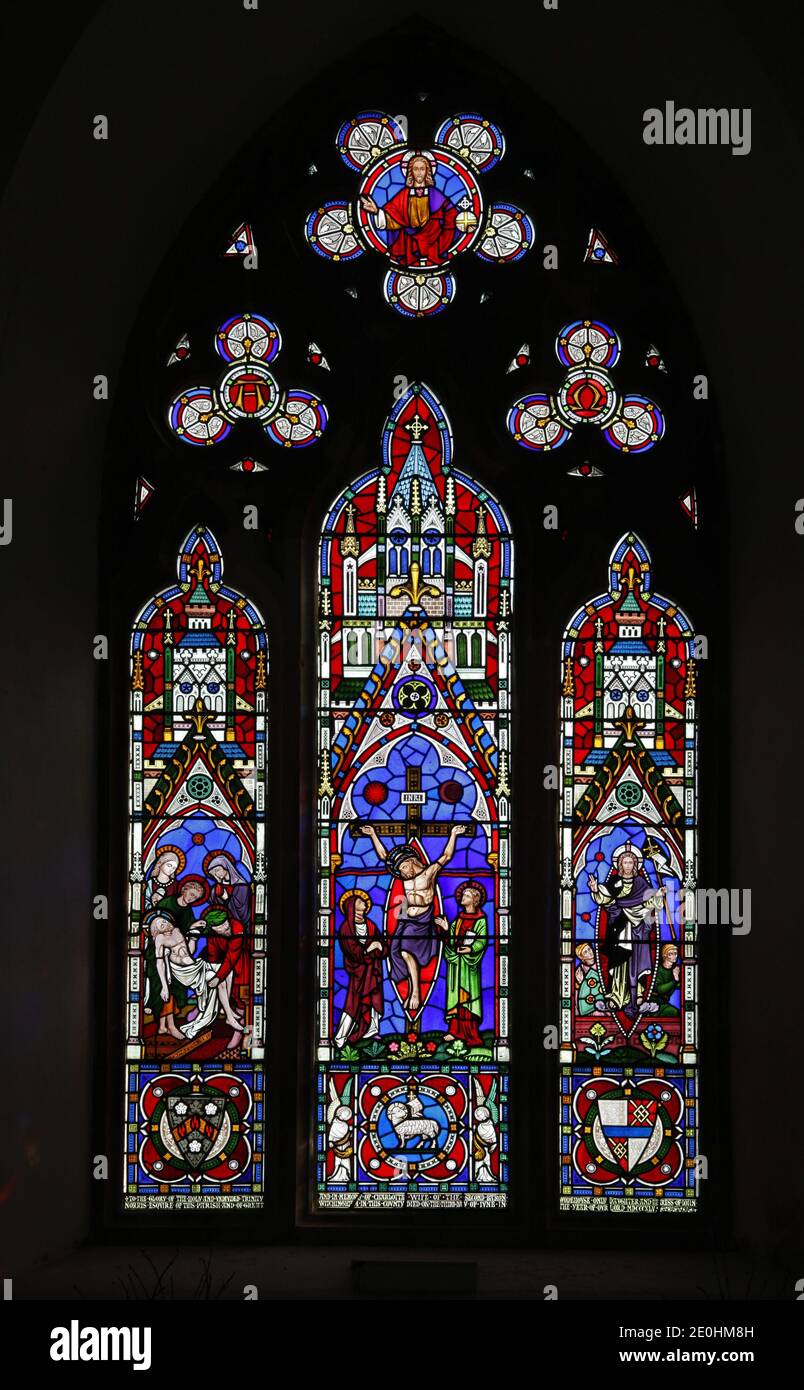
(409, 1122)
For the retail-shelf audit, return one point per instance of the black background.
(90, 285)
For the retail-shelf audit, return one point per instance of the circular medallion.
(534, 424)
(248, 336)
(628, 1131)
(508, 234)
(199, 786)
(587, 396)
(194, 1128)
(195, 416)
(366, 136)
(414, 696)
(330, 231)
(301, 421)
(248, 391)
(638, 426)
(418, 296)
(629, 794)
(420, 225)
(587, 342)
(475, 139)
(413, 1127)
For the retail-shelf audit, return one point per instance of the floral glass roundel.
(196, 417)
(246, 391)
(366, 137)
(248, 336)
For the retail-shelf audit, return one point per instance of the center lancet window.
(415, 590)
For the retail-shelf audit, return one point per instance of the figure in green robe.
(668, 975)
(464, 947)
(591, 997)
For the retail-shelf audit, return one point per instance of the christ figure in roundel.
(419, 221)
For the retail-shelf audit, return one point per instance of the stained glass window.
(414, 872)
(197, 907)
(628, 860)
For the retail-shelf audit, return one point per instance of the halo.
(419, 154)
(218, 854)
(353, 893)
(476, 887)
(154, 913)
(627, 848)
(194, 878)
(171, 849)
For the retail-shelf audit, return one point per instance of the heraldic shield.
(628, 1130)
(195, 1128)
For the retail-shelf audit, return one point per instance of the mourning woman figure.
(363, 951)
(229, 917)
(230, 889)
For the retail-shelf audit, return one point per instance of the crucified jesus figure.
(415, 941)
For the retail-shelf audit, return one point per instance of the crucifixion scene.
(414, 792)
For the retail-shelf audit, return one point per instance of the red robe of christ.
(420, 226)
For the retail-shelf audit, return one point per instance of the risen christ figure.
(630, 902)
(419, 221)
(415, 941)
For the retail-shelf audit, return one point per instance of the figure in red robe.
(229, 921)
(419, 222)
(363, 951)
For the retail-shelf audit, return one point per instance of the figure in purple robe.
(630, 903)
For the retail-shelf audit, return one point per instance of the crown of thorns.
(397, 856)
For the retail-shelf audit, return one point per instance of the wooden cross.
(413, 799)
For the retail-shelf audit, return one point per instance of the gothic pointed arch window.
(197, 892)
(413, 857)
(629, 862)
(533, 387)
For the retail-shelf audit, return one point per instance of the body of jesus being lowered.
(415, 940)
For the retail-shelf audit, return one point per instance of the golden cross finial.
(414, 589)
(691, 684)
(325, 787)
(569, 679)
(417, 427)
(349, 542)
(481, 545)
